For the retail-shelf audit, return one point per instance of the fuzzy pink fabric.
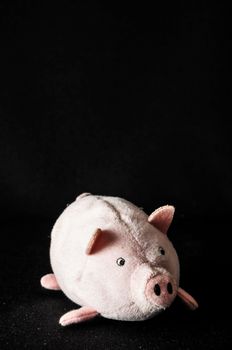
(105, 250)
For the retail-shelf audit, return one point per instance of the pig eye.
(162, 251)
(120, 261)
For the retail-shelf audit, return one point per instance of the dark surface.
(122, 101)
(30, 314)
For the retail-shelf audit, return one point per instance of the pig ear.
(162, 217)
(93, 240)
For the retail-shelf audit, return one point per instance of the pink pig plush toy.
(114, 260)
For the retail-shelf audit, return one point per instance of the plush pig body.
(108, 256)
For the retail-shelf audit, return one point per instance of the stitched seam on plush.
(138, 247)
(132, 237)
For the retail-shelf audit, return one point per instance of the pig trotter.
(85, 313)
(49, 282)
(187, 299)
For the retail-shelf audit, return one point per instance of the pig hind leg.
(85, 313)
(49, 282)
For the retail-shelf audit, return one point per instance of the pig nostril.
(169, 288)
(157, 289)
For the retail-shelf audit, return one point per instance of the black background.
(129, 101)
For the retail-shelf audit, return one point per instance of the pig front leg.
(85, 313)
(49, 282)
(187, 299)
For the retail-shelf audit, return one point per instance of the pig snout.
(161, 290)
